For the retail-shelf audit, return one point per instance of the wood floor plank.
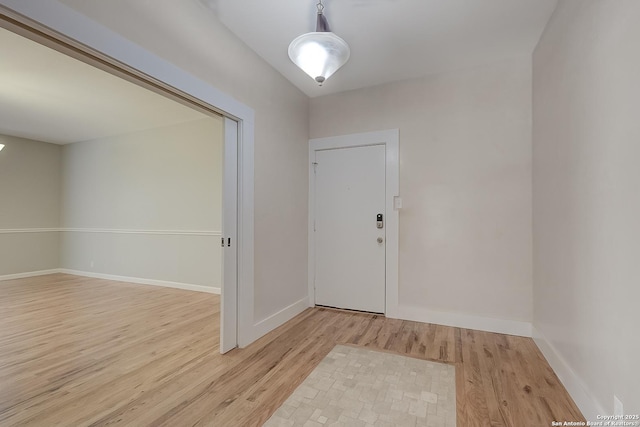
(92, 352)
(476, 411)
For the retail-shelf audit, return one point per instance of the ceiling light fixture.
(1, 147)
(321, 53)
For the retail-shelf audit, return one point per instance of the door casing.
(229, 291)
(391, 140)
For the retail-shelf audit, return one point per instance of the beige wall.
(168, 178)
(163, 187)
(29, 199)
(586, 187)
(465, 181)
(211, 52)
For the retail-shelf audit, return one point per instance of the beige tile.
(429, 397)
(355, 387)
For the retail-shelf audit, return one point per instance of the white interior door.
(229, 240)
(350, 248)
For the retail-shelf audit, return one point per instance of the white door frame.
(54, 24)
(391, 140)
(229, 291)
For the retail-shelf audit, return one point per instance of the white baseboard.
(142, 281)
(28, 274)
(466, 321)
(270, 323)
(577, 389)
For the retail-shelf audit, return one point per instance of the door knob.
(380, 240)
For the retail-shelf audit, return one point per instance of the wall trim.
(28, 274)
(154, 232)
(112, 231)
(136, 280)
(576, 387)
(466, 321)
(272, 322)
(28, 230)
(143, 281)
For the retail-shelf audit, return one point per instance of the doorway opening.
(130, 62)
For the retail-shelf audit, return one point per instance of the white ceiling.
(389, 39)
(48, 96)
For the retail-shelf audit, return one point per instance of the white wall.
(586, 187)
(147, 204)
(29, 200)
(465, 181)
(212, 53)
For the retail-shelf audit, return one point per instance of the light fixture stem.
(322, 25)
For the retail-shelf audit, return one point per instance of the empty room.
(319, 213)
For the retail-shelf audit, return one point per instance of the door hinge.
(229, 242)
(315, 167)
(222, 242)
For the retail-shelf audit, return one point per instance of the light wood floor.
(77, 351)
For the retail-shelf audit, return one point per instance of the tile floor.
(356, 387)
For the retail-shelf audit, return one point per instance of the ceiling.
(390, 39)
(48, 96)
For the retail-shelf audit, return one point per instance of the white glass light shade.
(319, 54)
(1, 147)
